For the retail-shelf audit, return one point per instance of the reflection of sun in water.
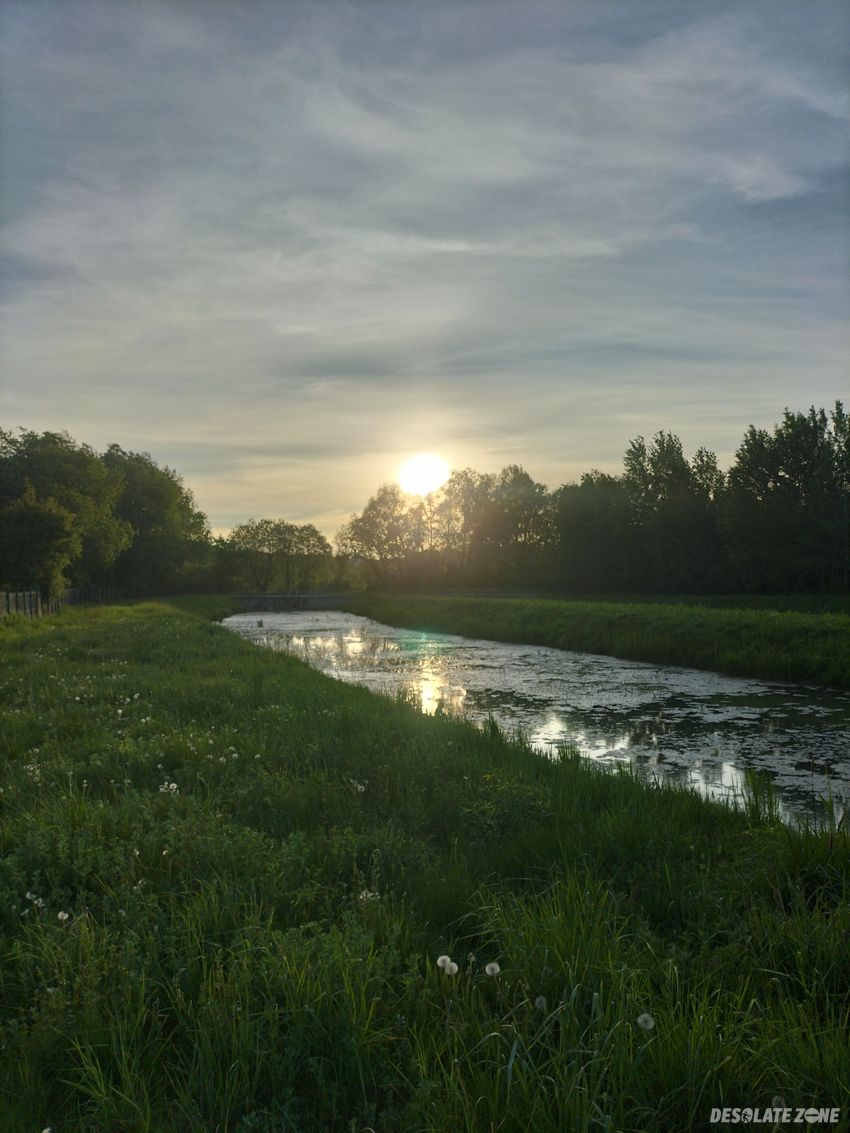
(423, 473)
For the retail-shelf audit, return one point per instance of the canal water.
(687, 725)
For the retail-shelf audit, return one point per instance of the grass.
(757, 641)
(225, 881)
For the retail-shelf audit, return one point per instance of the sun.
(423, 473)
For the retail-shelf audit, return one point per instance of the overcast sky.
(282, 247)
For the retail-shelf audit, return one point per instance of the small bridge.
(292, 600)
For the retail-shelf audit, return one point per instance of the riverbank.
(785, 645)
(226, 880)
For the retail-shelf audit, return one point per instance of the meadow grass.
(225, 882)
(759, 640)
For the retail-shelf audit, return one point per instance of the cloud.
(320, 236)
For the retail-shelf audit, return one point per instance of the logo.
(775, 1115)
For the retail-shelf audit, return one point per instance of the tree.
(171, 538)
(674, 539)
(594, 534)
(462, 516)
(784, 512)
(37, 544)
(256, 541)
(75, 479)
(383, 535)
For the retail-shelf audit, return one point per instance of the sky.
(284, 246)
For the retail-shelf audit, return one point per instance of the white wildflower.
(645, 1021)
(443, 961)
(492, 969)
(451, 969)
(63, 916)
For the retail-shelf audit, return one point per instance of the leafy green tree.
(257, 542)
(595, 534)
(382, 535)
(784, 512)
(75, 479)
(171, 538)
(674, 543)
(462, 516)
(312, 555)
(38, 543)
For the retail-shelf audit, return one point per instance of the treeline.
(72, 517)
(777, 521)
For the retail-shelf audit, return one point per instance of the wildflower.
(39, 902)
(443, 961)
(30, 896)
(645, 1021)
(540, 1003)
(492, 969)
(451, 968)
(63, 916)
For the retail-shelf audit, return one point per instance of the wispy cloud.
(321, 236)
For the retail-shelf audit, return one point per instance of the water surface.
(685, 724)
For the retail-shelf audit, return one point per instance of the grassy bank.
(786, 645)
(225, 882)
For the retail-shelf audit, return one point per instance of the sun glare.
(423, 473)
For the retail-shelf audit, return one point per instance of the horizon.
(285, 249)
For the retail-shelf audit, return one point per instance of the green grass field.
(226, 881)
(759, 640)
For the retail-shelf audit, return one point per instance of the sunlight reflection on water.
(686, 725)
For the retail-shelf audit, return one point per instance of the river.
(686, 725)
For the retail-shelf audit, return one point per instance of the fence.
(32, 604)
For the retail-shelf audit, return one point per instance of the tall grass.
(787, 645)
(225, 881)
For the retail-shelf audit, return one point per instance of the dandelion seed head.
(540, 1003)
(443, 961)
(492, 969)
(645, 1021)
(63, 916)
(451, 968)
